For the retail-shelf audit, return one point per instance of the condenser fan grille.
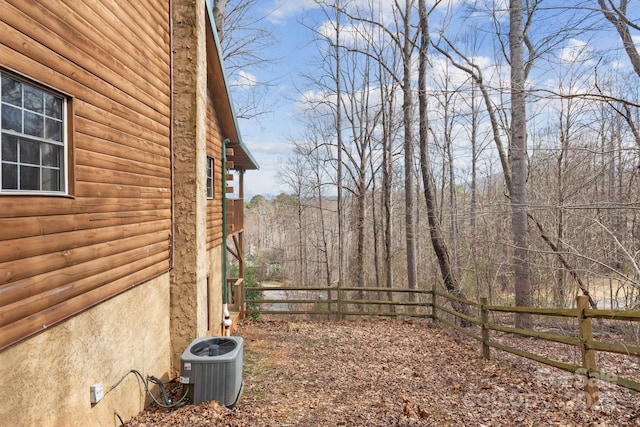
(213, 347)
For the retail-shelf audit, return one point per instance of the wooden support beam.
(238, 245)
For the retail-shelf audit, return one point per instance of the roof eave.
(217, 84)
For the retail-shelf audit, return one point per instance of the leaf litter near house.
(381, 372)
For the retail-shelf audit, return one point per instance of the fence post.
(434, 315)
(340, 305)
(242, 307)
(588, 354)
(484, 317)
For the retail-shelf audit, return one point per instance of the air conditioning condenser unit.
(211, 369)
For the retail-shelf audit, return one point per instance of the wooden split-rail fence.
(335, 302)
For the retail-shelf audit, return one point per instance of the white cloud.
(269, 153)
(266, 148)
(313, 100)
(576, 51)
(264, 181)
(382, 10)
(243, 80)
(618, 65)
(499, 9)
(442, 69)
(350, 34)
(283, 9)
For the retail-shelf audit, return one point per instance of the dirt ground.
(374, 372)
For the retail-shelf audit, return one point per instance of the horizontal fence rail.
(584, 341)
(334, 301)
(441, 306)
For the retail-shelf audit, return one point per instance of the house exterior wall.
(214, 223)
(45, 380)
(215, 317)
(197, 275)
(84, 276)
(214, 150)
(61, 254)
(189, 275)
(125, 270)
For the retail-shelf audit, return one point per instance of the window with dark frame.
(210, 177)
(33, 138)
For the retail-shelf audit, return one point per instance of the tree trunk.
(301, 244)
(474, 187)
(339, 166)
(617, 17)
(387, 173)
(518, 164)
(437, 239)
(219, 16)
(375, 229)
(407, 109)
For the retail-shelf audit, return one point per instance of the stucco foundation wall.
(47, 378)
(189, 273)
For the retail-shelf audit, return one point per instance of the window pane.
(52, 106)
(51, 155)
(11, 118)
(33, 99)
(209, 177)
(11, 91)
(9, 148)
(51, 180)
(29, 152)
(53, 129)
(33, 124)
(32, 143)
(9, 177)
(29, 178)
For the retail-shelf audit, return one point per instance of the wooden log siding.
(105, 84)
(62, 255)
(214, 206)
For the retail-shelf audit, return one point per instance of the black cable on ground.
(119, 418)
(168, 403)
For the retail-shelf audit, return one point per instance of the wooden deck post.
(236, 288)
(484, 316)
(588, 354)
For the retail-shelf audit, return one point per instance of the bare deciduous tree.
(244, 37)
(518, 164)
(617, 15)
(437, 238)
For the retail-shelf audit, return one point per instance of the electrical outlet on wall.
(97, 392)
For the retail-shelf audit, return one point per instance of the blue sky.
(294, 50)
(267, 136)
(294, 53)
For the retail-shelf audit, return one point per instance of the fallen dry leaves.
(374, 372)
